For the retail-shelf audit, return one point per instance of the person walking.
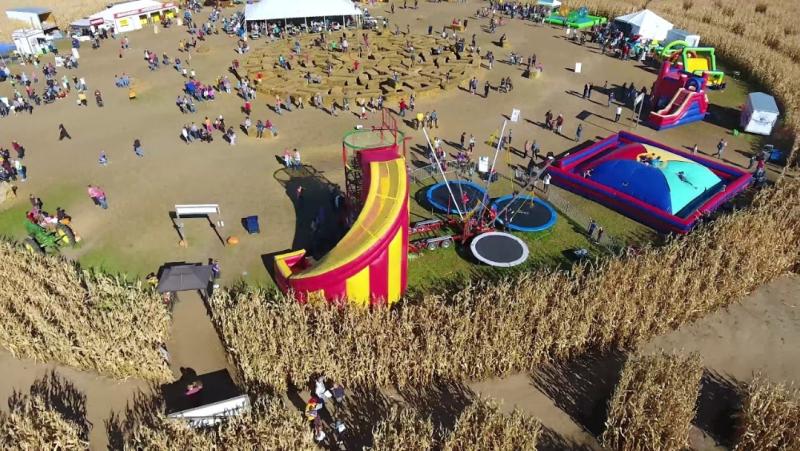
(559, 123)
(137, 148)
(462, 139)
(695, 149)
(471, 146)
(618, 115)
(247, 124)
(297, 161)
(578, 133)
(592, 227)
(610, 98)
(98, 196)
(600, 233)
(486, 87)
(287, 158)
(721, 145)
(546, 183)
(63, 133)
(585, 90)
(259, 129)
(435, 119)
(403, 107)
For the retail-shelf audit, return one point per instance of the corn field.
(770, 417)
(50, 311)
(654, 403)
(483, 426)
(269, 425)
(51, 416)
(498, 327)
(762, 38)
(403, 429)
(480, 426)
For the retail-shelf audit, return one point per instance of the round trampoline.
(468, 194)
(499, 249)
(524, 213)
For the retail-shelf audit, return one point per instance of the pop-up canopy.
(645, 23)
(184, 278)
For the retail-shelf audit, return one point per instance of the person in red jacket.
(403, 107)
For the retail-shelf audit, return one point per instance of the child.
(103, 160)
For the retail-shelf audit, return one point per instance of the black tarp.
(185, 278)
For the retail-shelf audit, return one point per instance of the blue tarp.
(642, 181)
(6, 48)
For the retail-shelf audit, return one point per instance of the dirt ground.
(136, 234)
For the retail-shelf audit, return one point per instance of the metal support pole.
(494, 161)
(438, 164)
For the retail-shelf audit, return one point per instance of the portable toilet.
(759, 114)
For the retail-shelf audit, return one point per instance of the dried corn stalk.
(654, 403)
(483, 426)
(770, 417)
(51, 312)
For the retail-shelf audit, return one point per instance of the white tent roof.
(296, 9)
(647, 23)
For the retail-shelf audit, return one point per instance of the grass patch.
(12, 218)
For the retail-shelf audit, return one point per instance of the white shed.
(30, 41)
(759, 114)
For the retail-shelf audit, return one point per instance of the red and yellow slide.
(370, 264)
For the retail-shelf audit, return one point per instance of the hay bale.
(7, 191)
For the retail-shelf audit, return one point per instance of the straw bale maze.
(394, 66)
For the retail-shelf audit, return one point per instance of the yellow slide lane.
(388, 190)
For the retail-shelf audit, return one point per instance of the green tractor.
(41, 240)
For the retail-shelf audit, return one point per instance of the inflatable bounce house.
(695, 60)
(578, 19)
(369, 265)
(666, 189)
(679, 97)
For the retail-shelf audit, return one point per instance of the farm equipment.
(41, 240)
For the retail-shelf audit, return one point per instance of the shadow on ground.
(582, 387)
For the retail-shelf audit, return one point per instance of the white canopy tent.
(645, 23)
(299, 9)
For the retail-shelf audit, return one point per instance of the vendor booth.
(759, 114)
(645, 23)
(124, 17)
(31, 41)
